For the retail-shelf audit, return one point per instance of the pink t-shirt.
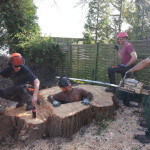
(125, 53)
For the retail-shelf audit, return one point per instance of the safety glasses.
(17, 66)
(120, 38)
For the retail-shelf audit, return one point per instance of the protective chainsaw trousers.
(117, 69)
(146, 105)
(17, 93)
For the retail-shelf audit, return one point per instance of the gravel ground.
(117, 134)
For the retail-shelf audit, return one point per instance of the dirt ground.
(117, 134)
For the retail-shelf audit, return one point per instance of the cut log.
(60, 121)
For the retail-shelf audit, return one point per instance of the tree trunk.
(60, 121)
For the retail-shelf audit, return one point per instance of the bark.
(60, 121)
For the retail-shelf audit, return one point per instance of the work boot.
(147, 132)
(29, 107)
(28, 99)
(110, 89)
(20, 104)
(143, 124)
(134, 104)
(127, 103)
(142, 139)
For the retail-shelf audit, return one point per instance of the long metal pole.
(91, 81)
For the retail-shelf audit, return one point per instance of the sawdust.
(118, 136)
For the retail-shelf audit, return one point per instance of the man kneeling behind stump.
(69, 94)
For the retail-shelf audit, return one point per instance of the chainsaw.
(126, 84)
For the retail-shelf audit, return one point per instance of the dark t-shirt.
(23, 76)
(76, 94)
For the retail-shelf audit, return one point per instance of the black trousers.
(117, 69)
(17, 93)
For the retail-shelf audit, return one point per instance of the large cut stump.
(57, 121)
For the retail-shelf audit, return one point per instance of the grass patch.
(103, 125)
(135, 149)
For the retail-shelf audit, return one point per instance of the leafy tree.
(42, 50)
(87, 38)
(135, 13)
(139, 19)
(118, 18)
(98, 20)
(17, 22)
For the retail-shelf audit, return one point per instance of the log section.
(57, 121)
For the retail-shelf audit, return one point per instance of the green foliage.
(98, 21)
(105, 19)
(20, 32)
(17, 17)
(136, 149)
(135, 14)
(87, 39)
(103, 125)
(41, 50)
(139, 20)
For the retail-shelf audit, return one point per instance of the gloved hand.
(128, 72)
(85, 102)
(122, 65)
(116, 47)
(56, 103)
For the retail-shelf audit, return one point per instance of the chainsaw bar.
(127, 85)
(91, 81)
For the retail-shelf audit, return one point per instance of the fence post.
(70, 60)
(96, 61)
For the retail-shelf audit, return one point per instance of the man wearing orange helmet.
(127, 56)
(21, 75)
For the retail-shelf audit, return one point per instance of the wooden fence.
(91, 61)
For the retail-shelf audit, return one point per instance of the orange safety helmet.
(122, 35)
(16, 59)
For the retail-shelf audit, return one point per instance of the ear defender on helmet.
(16, 59)
(63, 82)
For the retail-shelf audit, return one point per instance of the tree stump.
(60, 121)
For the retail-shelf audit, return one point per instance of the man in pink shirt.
(127, 56)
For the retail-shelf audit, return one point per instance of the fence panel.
(106, 58)
(64, 67)
(83, 61)
(143, 51)
(91, 61)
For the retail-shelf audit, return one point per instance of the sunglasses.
(120, 38)
(17, 66)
